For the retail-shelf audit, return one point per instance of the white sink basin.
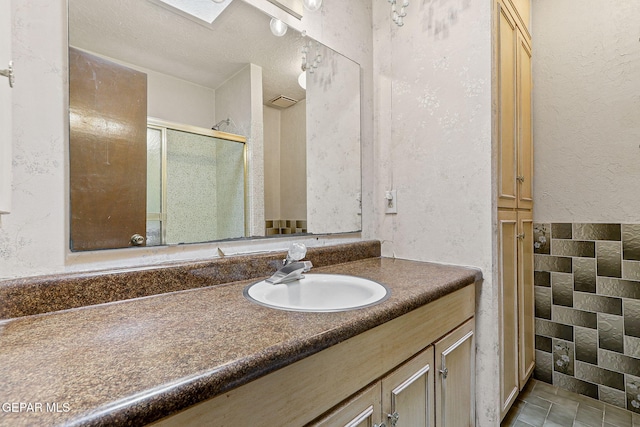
(318, 292)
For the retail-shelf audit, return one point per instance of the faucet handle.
(297, 251)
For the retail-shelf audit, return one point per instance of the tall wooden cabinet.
(514, 110)
(515, 201)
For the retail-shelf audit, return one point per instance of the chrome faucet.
(292, 268)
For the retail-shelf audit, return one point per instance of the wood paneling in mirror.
(108, 152)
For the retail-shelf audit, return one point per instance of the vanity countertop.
(136, 361)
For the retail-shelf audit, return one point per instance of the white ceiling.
(142, 33)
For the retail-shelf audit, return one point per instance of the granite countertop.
(136, 361)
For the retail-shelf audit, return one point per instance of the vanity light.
(306, 64)
(398, 16)
(312, 5)
(278, 28)
(302, 80)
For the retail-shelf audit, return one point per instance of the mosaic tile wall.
(587, 308)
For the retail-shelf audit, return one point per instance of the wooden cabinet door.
(107, 152)
(525, 143)
(508, 308)
(363, 410)
(526, 295)
(507, 119)
(455, 385)
(523, 9)
(408, 393)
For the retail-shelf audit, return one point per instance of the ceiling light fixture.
(312, 5)
(398, 16)
(302, 80)
(218, 1)
(278, 28)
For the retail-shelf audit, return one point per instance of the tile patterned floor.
(543, 405)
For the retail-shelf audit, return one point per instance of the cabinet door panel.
(526, 294)
(523, 9)
(455, 387)
(507, 131)
(508, 308)
(408, 393)
(363, 410)
(525, 143)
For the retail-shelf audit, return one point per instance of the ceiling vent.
(282, 101)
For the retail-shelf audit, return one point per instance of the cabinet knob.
(444, 372)
(393, 418)
(520, 236)
(520, 178)
(137, 240)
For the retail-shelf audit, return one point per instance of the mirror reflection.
(195, 185)
(298, 170)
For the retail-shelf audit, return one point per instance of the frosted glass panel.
(204, 189)
(191, 188)
(154, 170)
(230, 179)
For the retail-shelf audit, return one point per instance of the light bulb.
(302, 80)
(312, 5)
(278, 28)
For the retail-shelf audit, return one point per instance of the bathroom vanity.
(416, 368)
(208, 356)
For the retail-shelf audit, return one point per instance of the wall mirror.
(262, 152)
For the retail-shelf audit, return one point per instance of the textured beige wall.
(271, 163)
(293, 162)
(586, 103)
(333, 169)
(239, 99)
(285, 178)
(5, 111)
(433, 145)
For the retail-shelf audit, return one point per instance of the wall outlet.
(391, 202)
